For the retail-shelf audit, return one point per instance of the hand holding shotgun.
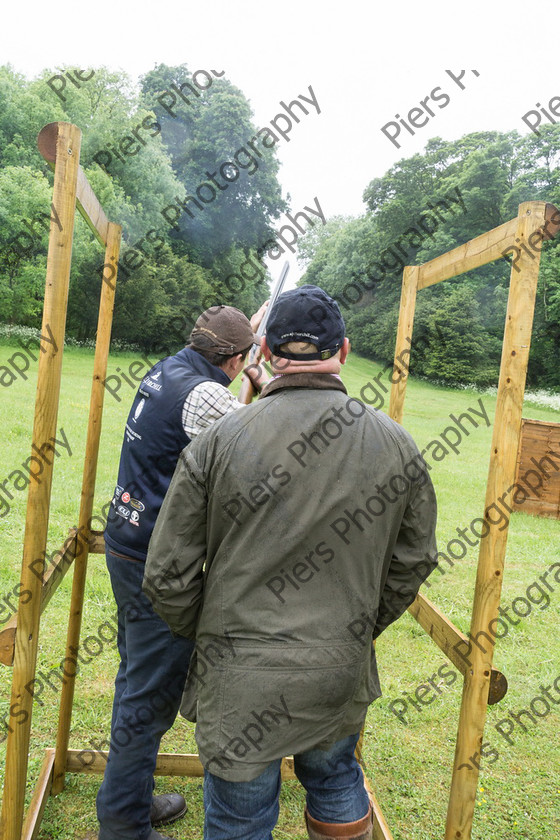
(248, 389)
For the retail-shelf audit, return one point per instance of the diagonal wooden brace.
(448, 638)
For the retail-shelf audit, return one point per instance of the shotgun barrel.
(247, 390)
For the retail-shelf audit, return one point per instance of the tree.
(25, 210)
(24, 110)
(138, 162)
(460, 348)
(315, 236)
(235, 194)
(459, 189)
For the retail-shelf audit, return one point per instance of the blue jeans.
(332, 778)
(148, 690)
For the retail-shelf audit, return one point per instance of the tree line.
(176, 158)
(146, 147)
(423, 206)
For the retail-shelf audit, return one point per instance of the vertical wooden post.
(104, 325)
(501, 477)
(39, 493)
(403, 343)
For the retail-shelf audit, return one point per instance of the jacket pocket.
(291, 708)
(189, 700)
(368, 688)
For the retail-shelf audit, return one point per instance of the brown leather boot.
(358, 830)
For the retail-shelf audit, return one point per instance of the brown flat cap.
(224, 330)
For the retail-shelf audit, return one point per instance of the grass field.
(409, 762)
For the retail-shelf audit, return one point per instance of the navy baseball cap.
(306, 314)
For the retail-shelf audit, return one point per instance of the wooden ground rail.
(60, 145)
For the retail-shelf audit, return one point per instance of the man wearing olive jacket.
(292, 534)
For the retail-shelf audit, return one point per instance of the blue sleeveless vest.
(153, 440)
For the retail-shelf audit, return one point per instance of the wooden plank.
(91, 210)
(87, 202)
(551, 221)
(167, 764)
(39, 493)
(41, 793)
(538, 457)
(52, 578)
(448, 638)
(439, 628)
(403, 342)
(501, 475)
(380, 828)
(8, 641)
(102, 344)
(544, 425)
(287, 769)
(483, 249)
(540, 507)
(97, 543)
(489, 246)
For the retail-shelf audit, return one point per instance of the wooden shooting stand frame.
(535, 222)
(59, 144)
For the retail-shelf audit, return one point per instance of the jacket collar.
(303, 380)
(201, 366)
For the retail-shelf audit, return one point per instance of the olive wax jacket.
(294, 531)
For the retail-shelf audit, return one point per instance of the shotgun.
(247, 390)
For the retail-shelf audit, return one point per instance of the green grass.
(409, 765)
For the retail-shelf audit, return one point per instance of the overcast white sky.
(365, 63)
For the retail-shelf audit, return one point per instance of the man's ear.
(265, 349)
(230, 365)
(344, 350)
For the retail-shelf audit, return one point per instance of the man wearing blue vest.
(180, 396)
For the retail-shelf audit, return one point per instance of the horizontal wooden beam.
(448, 638)
(97, 543)
(483, 249)
(87, 201)
(167, 764)
(487, 247)
(188, 765)
(52, 579)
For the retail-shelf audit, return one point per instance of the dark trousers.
(148, 688)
